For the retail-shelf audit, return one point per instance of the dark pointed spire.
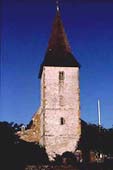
(58, 39)
(58, 52)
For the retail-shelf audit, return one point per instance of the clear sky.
(26, 28)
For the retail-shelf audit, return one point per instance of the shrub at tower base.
(67, 158)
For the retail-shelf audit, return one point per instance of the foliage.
(16, 153)
(95, 138)
(67, 158)
(57, 160)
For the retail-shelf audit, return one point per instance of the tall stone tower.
(60, 126)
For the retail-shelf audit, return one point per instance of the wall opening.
(62, 121)
(61, 75)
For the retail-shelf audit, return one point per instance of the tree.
(95, 139)
(16, 153)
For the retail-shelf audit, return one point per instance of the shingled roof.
(58, 52)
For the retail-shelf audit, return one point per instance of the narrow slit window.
(62, 121)
(61, 75)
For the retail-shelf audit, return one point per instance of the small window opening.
(62, 121)
(61, 75)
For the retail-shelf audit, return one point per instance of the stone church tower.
(57, 125)
(60, 94)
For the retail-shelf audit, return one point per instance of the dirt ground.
(46, 167)
(77, 167)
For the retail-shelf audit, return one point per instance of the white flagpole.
(99, 124)
(99, 113)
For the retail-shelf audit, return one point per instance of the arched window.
(62, 121)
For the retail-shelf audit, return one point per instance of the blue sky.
(26, 28)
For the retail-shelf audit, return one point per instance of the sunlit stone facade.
(60, 103)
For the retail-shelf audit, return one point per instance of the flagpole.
(99, 113)
(99, 125)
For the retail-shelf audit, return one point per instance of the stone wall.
(55, 137)
(32, 134)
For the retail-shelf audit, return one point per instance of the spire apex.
(57, 5)
(58, 51)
